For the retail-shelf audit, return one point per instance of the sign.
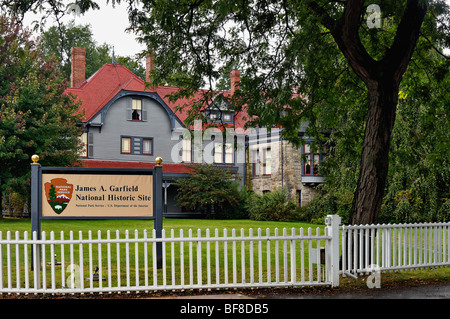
(97, 195)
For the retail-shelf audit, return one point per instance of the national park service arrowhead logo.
(59, 194)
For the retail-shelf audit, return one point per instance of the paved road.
(421, 292)
(282, 304)
(439, 291)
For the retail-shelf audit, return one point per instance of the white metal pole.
(333, 222)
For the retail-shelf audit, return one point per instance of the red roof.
(167, 167)
(95, 92)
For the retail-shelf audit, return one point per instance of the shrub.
(335, 202)
(238, 208)
(212, 189)
(271, 206)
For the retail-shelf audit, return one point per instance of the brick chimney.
(78, 74)
(149, 66)
(235, 76)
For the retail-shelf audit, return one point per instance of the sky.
(108, 26)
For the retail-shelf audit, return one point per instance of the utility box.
(313, 254)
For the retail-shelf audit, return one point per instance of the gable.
(113, 81)
(99, 118)
(98, 90)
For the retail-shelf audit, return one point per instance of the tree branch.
(345, 33)
(398, 56)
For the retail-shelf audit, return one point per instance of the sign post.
(158, 204)
(35, 196)
(35, 221)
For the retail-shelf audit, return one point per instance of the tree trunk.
(382, 79)
(383, 98)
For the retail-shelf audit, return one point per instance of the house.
(276, 163)
(128, 124)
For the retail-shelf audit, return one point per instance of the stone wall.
(286, 172)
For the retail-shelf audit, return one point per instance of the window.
(186, 150)
(84, 141)
(228, 117)
(126, 145)
(312, 161)
(267, 163)
(136, 145)
(261, 159)
(213, 116)
(218, 153)
(255, 162)
(147, 146)
(228, 153)
(136, 110)
(316, 162)
(219, 156)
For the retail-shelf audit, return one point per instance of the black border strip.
(94, 171)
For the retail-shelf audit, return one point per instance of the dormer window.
(136, 110)
(213, 116)
(219, 111)
(228, 117)
(136, 107)
(221, 116)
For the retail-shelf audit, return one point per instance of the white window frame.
(186, 145)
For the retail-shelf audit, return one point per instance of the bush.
(336, 202)
(213, 191)
(271, 206)
(237, 209)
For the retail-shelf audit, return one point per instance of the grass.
(390, 279)
(13, 224)
(86, 227)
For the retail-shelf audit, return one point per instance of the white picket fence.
(116, 263)
(219, 259)
(394, 247)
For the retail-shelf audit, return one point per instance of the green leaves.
(274, 206)
(58, 41)
(208, 187)
(37, 117)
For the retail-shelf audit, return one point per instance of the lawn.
(131, 270)
(414, 277)
(13, 224)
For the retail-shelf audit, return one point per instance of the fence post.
(332, 229)
(35, 217)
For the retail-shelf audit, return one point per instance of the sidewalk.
(438, 291)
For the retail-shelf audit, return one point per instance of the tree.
(209, 189)
(36, 116)
(278, 46)
(58, 41)
(382, 79)
(418, 178)
(419, 175)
